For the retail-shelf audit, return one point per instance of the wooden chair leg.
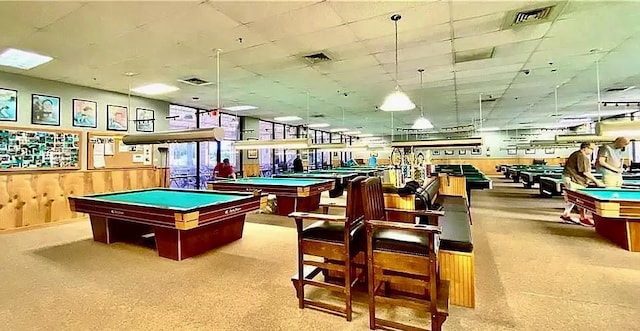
(347, 286)
(301, 277)
(371, 282)
(436, 322)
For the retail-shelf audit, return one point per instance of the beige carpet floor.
(532, 273)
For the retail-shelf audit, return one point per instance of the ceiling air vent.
(617, 89)
(531, 15)
(317, 58)
(318, 116)
(491, 99)
(195, 81)
(474, 54)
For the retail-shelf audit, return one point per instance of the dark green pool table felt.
(276, 181)
(170, 199)
(613, 194)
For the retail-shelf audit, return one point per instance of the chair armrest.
(403, 226)
(416, 212)
(319, 217)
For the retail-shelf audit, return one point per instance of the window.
(266, 160)
(208, 150)
(230, 124)
(312, 153)
(290, 154)
(278, 154)
(182, 156)
(326, 156)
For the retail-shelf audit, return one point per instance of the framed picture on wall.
(144, 120)
(84, 113)
(476, 151)
(435, 152)
(252, 154)
(530, 151)
(8, 105)
(462, 152)
(117, 118)
(512, 151)
(549, 151)
(45, 110)
(448, 152)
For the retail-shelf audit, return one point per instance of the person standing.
(297, 164)
(610, 162)
(224, 170)
(577, 175)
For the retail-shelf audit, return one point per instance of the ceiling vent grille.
(489, 99)
(531, 15)
(474, 55)
(317, 58)
(317, 116)
(194, 81)
(616, 89)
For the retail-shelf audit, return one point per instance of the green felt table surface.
(271, 181)
(315, 175)
(612, 194)
(170, 199)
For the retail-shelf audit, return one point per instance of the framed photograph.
(549, 151)
(530, 151)
(252, 154)
(45, 110)
(512, 151)
(144, 120)
(435, 152)
(85, 113)
(448, 152)
(117, 118)
(462, 152)
(8, 105)
(476, 151)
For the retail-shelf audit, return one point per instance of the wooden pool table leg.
(182, 244)
(108, 230)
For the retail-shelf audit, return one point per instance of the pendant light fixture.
(397, 100)
(422, 123)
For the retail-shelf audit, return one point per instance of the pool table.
(184, 223)
(531, 177)
(341, 180)
(552, 185)
(292, 194)
(616, 213)
(358, 171)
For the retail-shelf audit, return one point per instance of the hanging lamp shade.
(422, 123)
(397, 101)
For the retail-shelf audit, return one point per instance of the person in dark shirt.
(297, 164)
(224, 170)
(577, 175)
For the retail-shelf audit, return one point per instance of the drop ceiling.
(264, 43)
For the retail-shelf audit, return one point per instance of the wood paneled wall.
(488, 165)
(250, 170)
(39, 198)
(459, 269)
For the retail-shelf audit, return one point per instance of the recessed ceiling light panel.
(240, 108)
(154, 89)
(319, 125)
(287, 118)
(16, 58)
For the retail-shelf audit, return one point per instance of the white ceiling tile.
(318, 41)
(256, 54)
(251, 11)
(305, 20)
(352, 11)
(416, 52)
(346, 65)
(409, 38)
(468, 9)
(38, 14)
(501, 37)
(478, 25)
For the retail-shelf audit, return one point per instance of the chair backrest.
(374, 204)
(354, 212)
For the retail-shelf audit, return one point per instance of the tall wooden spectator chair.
(337, 240)
(404, 254)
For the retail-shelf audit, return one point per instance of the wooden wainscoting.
(250, 170)
(488, 164)
(40, 198)
(458, 268)
(393, 200)
(453, 185)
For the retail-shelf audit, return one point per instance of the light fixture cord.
(396, 24)
(421, 96)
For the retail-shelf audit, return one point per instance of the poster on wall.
(462, 152)
(549, 151)
(8, 105)
(22, 149)
(512, 151)
(45, 110)
(117, 118)
(476, 151)
(530, 151)
(144, 120)
(252, 154)
(84, 113)
(435, 152)
(448, 152)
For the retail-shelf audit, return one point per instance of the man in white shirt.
(610, 162)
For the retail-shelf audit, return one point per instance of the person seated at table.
(610, 162)
(577, 175)
(297, 164)
(224, 170)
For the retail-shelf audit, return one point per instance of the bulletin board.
(105, 150)
(27, 149)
